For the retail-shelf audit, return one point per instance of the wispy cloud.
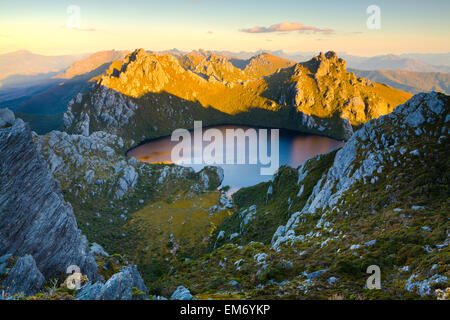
(287, 27)
(88, 29)
(79, 29)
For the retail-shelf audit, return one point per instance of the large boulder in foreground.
(124, 285)
(181, 293)
(24, 278)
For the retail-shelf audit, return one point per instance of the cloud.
(286, 27)
(83, 29)
(79, 29)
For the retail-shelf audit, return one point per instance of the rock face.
(90, 165)
(24, 278)
(212, 67)
(121, 286)
(211, 177)
(98, 250)
(110, 107)
(377, 140)
(34, 218)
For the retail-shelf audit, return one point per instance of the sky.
(52, 27)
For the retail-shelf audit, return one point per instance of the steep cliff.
(34, 218)
(39, 237)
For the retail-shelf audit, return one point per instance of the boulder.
(6, 117)
(121, 286)
(24, 278)
(181, 294)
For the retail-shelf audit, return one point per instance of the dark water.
(294, 149)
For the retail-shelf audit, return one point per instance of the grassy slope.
(168, 231)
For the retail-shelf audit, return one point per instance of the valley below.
(362, 179)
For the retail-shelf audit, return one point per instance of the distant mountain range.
(27, 63)
(24, 62)
(407, 62)
(393, 62)
(79, 77)
(91, 63)
(410, 62)
(41, 99)
(413, 82)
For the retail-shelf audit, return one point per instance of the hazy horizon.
(225, 50)
(51, 28)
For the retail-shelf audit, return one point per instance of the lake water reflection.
(294, 149)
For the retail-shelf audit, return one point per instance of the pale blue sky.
(406, 25)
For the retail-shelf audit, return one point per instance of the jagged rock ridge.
(318, 96)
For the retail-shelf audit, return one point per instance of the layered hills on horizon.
(41, 99)
(24, 62)
(412, 82)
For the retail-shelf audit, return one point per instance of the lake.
(294, 149)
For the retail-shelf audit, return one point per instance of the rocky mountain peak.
(141, 72)
(324, 64)
(264, 56)
(136, 54)
(320, 88)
